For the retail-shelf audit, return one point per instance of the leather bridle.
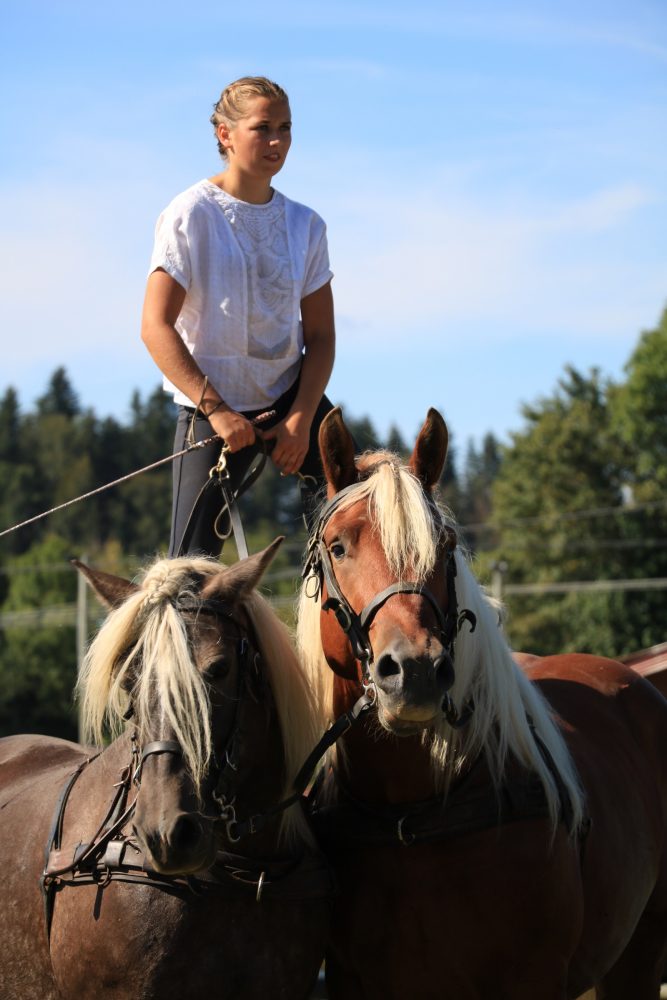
(227, 759)
(356, 625)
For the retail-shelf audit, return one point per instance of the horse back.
(615, 724)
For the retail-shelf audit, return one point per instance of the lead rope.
(108, 486)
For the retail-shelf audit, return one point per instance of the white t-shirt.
(245, 269)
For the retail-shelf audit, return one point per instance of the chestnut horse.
(168, 865)
(495, 832)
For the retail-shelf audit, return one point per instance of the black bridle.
(104, 857)
(356, 625)
(227, 759)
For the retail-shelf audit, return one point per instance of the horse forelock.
(406, 519)
(145, 643)
(143, 646)
(409, 525)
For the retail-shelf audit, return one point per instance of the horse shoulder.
(23, 758)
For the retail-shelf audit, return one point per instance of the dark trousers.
(191, 473)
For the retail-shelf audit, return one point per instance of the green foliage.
(38, 654)
(639, 413)
(58, 452)
(579, 494)
(570, 504)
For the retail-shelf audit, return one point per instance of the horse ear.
(111, 590)
(235, 583)
(337, 452)
(430, 452)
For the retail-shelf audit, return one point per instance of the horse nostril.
(387, 666)
(444, 670)
(185, 833)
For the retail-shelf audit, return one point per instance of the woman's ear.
(224, 135)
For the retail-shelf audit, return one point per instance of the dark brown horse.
(164, 866)
(496, 832)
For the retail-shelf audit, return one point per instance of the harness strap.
(372, 608)
(157, 746)
(54, 841)
(351, 824)
(238, 829)
(218, 479)
(308, 876)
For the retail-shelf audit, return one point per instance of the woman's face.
(258, 143)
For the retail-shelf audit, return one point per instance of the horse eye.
(337, 550)
(217, 669)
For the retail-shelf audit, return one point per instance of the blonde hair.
(486, 672)
(233, 102)
(148, 633)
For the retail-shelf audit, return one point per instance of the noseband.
(357, 626)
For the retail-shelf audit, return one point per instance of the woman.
(238, 313)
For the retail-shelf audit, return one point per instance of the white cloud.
(423, 263)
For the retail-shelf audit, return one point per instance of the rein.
(218, 470)
(112, 856)
(108, 486)
(218, 480)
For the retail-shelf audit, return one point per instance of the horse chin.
(404, 724)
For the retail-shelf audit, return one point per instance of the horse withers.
(170, 864)
(494, 831)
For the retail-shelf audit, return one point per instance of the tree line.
(579, 493)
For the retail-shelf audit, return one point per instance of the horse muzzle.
(180, 845)
(411, 686)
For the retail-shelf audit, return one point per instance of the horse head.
(179, 659)
(384, 557)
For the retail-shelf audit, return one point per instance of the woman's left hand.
(292, 438)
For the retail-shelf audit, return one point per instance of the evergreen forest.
(576, 497)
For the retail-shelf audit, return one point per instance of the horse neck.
(95, 788)
(112, 759)
(375, 766)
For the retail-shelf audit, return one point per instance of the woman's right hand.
(233, 428)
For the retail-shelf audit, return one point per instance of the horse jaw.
(430, 451)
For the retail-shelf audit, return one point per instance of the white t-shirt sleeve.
(171, 250)
(318, 271)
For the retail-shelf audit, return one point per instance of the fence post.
(81, 630)
(498, 571)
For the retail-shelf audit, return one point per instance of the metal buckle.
(220, 469)
(228, 816)
(405, 839)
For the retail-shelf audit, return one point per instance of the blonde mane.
(147, 634)
(410, 526)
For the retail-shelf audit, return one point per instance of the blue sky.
(493, 176)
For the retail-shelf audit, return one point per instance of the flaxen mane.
(410, 527)
(143, 644)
